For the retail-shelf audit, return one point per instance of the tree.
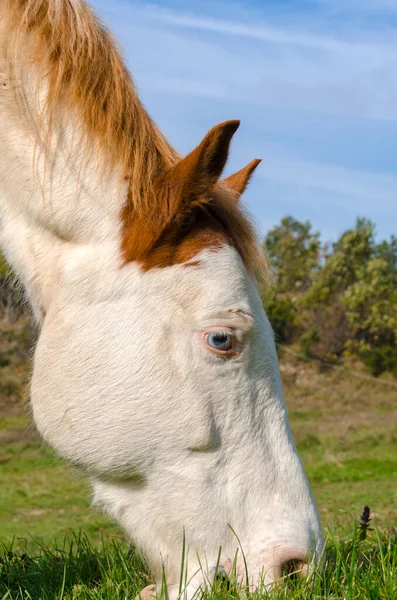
(342, 266)
(371, 305)
(294, 252)
(352, 300)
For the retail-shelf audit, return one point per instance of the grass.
(74, 569)
(354, 568)
(345, 432)
(44, 497)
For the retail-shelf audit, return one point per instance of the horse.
(155, 371)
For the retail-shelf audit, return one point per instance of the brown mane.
(86, 77)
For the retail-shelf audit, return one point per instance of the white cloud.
(362, 190)
(258, 63)
(267, 33)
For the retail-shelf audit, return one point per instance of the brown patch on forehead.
(212, 225)
(179, 243)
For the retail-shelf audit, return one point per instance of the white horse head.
(155, 371)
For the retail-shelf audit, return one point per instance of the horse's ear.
(192, 179)
(202, 168)
(177, 192)
(239, 181)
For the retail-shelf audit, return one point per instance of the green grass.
(44, 497)
(346, 435)
(345, 478)
(353, 568)
(74, 569)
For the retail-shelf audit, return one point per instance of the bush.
(281, 313)
(335, 299)
(307, 340)
(380, 359)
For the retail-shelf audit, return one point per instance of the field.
(56, 546)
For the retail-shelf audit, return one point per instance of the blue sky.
(314, 83)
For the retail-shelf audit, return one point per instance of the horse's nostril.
(294, 568)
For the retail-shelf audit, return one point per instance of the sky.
(313, 82)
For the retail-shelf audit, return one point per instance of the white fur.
(173, 438)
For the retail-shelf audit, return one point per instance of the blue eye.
(219, 340)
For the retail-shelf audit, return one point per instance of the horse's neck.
(50, 206)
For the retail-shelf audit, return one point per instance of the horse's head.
(158, 375)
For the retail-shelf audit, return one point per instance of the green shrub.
(281, 313)
(306, 341)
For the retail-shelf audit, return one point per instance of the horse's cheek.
(115, 418)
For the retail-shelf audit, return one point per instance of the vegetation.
(337, 301)
(362, 565)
